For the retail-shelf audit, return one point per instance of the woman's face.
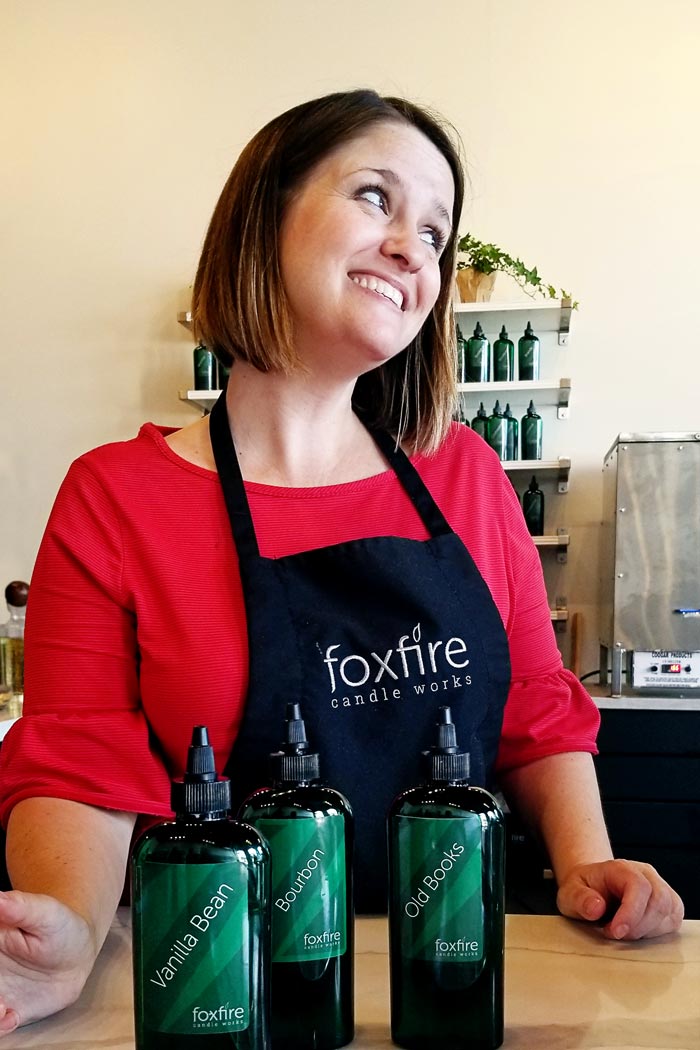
(360, 244)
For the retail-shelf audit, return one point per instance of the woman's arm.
(559, 800)
(67, 863)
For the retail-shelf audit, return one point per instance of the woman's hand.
(558, 798)
(630, 898)
(46, 953)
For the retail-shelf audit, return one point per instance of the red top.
(136, 626)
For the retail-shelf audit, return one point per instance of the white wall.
(122, 120)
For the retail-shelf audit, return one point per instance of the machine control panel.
(666, 669)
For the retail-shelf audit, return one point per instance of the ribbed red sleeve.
(136, 626)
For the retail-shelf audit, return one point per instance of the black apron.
(371, 637)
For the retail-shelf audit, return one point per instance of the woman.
(321, 563)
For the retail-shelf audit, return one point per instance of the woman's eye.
(374, 195)
(434, 238)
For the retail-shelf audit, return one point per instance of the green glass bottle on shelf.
(478, 357)
(205, 377)
(459, 414)
(497, 431)
(504, 358)
(480, 421)
(461, 355)
(528, 355)
(531, 434)
(511, 434)
(533, 508)
(461, 411)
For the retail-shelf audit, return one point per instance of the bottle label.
(192, 960)
(437, 887)
(308, 886)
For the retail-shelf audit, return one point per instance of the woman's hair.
(239, 306)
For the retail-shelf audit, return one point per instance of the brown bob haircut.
(239, 306)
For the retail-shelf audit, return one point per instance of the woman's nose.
(405, 246)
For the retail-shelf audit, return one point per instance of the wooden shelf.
(202, 399)
(560, 468)
(542, 391)
(560, 539)
(553, 315)
(558, 542)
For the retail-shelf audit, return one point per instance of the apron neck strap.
(231, 478)
(413, 484)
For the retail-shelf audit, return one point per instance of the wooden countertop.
(566, 987)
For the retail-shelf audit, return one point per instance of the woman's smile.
(381, 287)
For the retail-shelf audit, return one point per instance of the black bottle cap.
(529, 334)
(504, 334)
(506, 411)
(200, 791)
(478, 331)
(482, 411)
(295, 762)
(531, 410)
(16, 593)
(444, 761)
(497, 409)
(533, 486)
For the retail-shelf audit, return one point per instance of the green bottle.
(201, 920)
(497, 431)
(460, 412)
(461, 355)
(480, 421)
(531, 434)
(478, 354)
(205, 368)
(528, 355)
(310, 831)
(511, 434)
(446, 906)
(504, 358)
(533, 508)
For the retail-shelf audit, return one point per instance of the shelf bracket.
(561, 613)
(562, 550)
(564, 323)
(563, 475)
(564, 398)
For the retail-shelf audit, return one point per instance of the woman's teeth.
(374, 284)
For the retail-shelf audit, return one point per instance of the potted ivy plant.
(477, 265)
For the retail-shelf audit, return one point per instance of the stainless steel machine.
(650, 566)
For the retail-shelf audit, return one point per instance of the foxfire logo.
(404, 661)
